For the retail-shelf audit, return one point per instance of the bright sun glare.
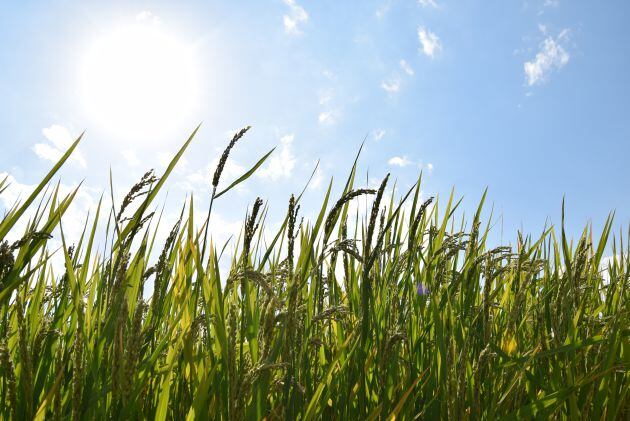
(139, 81)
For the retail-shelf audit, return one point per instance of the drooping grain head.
(331, 219)
(136, 191)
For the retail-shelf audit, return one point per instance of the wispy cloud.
(383, 10)
(129, 155)
(394, 82)
(430, 43)
(328, 118)
(85, 200)
(406, 67)
(59, 140)
(378, 134)
(199, 180)
(231, 170)
(318, 179)
(329, 74)
(552, 56)
(428, 3)
(391, 85)
(399, 161)
(330, 106)
(295, 18)
(325, 96)
(404, 161)
(282, 163)
(148, 16)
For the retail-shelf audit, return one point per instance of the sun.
(139, 81)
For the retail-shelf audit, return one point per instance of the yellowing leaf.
(509, 345)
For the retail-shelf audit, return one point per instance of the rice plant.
(406, 312)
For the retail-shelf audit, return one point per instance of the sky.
(529, 99)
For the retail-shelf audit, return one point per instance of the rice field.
(404, 312)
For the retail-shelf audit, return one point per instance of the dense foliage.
(402, 312)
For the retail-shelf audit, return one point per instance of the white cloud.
(318, 178)
(394, 82)
(363, 204)
(222, 225)
(16, 191)
(295, 18)
(282, 162)
(378, 134)
(85, 200)
(382, 11)
(130, 157)
(391, 85)
(608, 262)
(406, 67)
(328, 117)
(330, 109)
(58, 136)
(329, 74)
(429, 168)
(47, 152)
(147, 16)
(199, 180)
(325, 96)
(221, 228)
(164, 158)
(61, 140)
(552, 56)
(428, 3)
(399, 161)
(552, 3)
(203, 177)
(430, 42)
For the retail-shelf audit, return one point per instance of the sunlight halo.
(138, 81)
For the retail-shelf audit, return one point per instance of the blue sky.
(527, 98)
